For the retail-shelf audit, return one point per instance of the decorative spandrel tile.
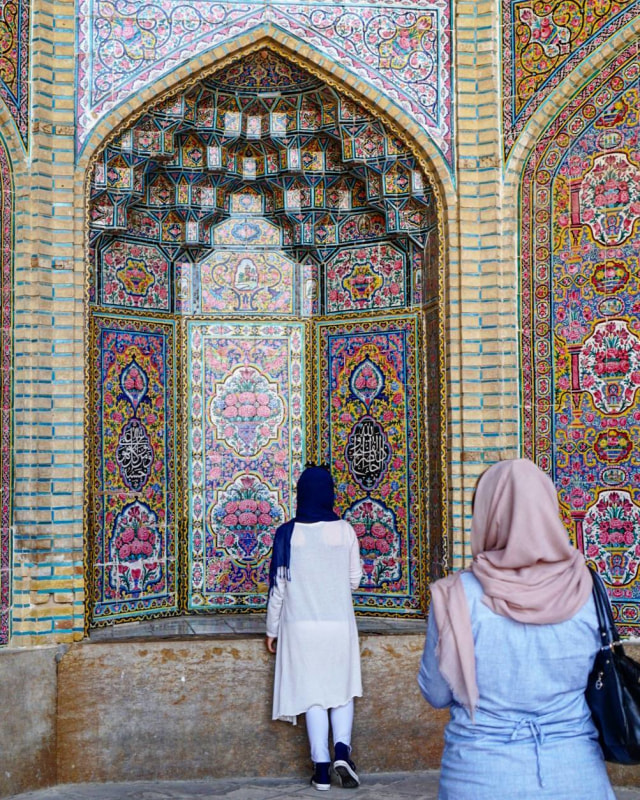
(541, 45)
(402, 49)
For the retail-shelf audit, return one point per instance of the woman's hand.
(271, 644)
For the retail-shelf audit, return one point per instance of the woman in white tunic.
(315, 566)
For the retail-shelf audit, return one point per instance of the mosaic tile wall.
(6, 389)
(581, 322)
(543, 43)
(247, 446)
(223, 211)
(134, 499)
(401, 48)
(370, 431)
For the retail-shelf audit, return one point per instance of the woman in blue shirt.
(510, 644)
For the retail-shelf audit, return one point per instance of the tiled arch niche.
(263, 292)
(581, 322)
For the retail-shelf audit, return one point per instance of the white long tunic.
(318, 656)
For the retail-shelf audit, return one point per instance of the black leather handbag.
(613, 689)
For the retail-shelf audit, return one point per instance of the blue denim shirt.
(533, 730)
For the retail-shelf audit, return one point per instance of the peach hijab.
(522, 556)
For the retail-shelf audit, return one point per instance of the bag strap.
(609, 635)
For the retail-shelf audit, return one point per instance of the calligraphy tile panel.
(246, 414)
(134, 502)
(369, 431)
(581, 323)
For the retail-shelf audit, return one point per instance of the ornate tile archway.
(225, 224)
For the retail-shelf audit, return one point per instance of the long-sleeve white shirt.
(318, 656)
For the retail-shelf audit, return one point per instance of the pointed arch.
(579, 191)
(329, 71)
(419, 145)
(562, 95)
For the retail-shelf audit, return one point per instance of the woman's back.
(318, 657)
(321, 565)
(533, 735)
(526, 669)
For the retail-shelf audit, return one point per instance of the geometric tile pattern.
(401, 49)
(255, 194)
(542, 44)
(581, 322)
(370, 431)
(202, 182)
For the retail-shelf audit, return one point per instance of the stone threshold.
(233, 625)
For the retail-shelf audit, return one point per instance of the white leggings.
(317, 721)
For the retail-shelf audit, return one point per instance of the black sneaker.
(344, 767)
(321, 779)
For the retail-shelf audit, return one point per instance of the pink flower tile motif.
(137, 563)
(134, 276)
(244, 519)
(610, 198)
(366, 277)
(369, 411)
(543, 43)
(379, 542)
(367, 381)
(246, 418)
(610, 533)
(404, 53)
(580, 309)
(609, 366)
(246, 411)
(132, 549)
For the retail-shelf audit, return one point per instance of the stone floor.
(388, 786)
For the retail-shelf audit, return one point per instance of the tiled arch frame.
(327, 70)
(540, 121)
(565, 427)
(401, 125)
(11, 154)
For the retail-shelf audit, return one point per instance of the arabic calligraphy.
(367, 452)
(134, 455)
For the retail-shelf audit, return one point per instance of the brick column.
(48, 497)
(483, 343)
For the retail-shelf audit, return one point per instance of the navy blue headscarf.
(315, 498)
